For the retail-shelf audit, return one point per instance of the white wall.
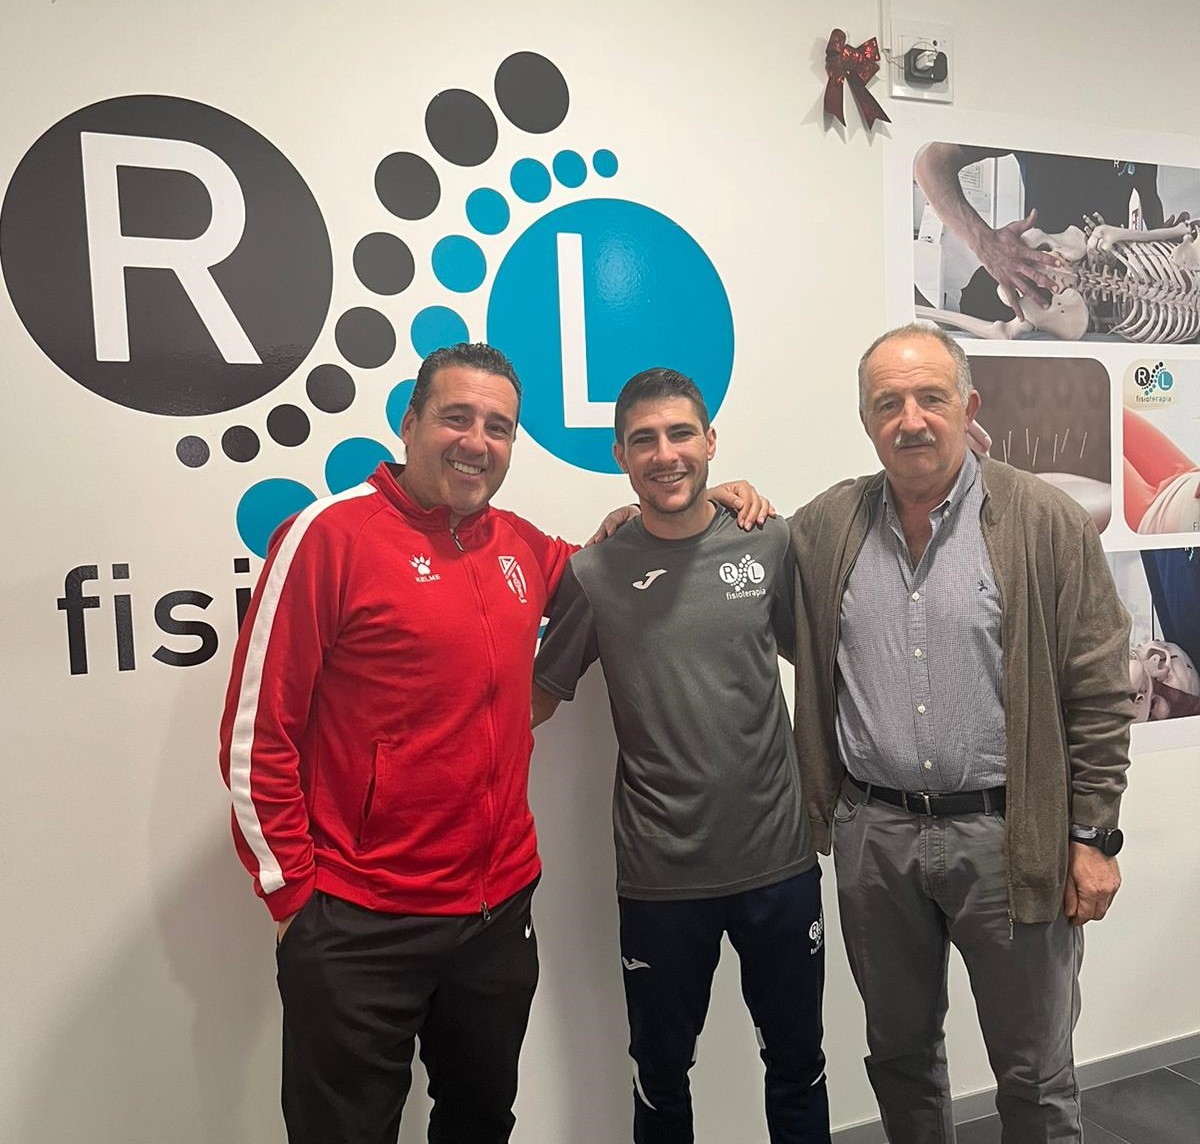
(138, 994)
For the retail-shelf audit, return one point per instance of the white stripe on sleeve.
(241, 746)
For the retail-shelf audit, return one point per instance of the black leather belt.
(950, 802)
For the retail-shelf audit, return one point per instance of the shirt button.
(927, 765)
(921, 708)
(918, 653)
(945, 514)
(916, 595)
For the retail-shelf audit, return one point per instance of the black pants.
(358, 987)
(670, 951)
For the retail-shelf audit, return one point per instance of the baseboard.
(974, 1105)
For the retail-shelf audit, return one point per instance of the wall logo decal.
(170, 259)
(166, 256)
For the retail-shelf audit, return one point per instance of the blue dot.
(605, 163)
(530, 180)
(264, 506)
(570, 169)
(397, 404)
(487, 211)
(648, 293)
(434, 327)
(458, 263)
(352, 461)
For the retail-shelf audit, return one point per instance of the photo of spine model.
(1141, 285)
(1009, 243)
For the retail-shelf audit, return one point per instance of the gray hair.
(962, 368)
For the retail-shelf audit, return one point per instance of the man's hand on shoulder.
(1093, 880)
(742, 497)
(610, 524)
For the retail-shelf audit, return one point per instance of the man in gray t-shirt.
(687, 615)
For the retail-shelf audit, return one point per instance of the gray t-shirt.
(707, 797)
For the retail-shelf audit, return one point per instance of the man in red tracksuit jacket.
(376, 742)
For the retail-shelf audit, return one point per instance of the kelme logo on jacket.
(424, 569)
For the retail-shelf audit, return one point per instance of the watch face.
(1111, 842)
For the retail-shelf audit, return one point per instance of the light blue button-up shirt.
(919, 658)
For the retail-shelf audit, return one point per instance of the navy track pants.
(670, 949)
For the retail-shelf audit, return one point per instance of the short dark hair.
(651, 385)
(474, 355)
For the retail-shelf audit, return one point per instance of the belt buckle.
(918, 809)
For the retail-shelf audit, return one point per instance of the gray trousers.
(908, 885)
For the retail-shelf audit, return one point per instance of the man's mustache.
(904, 440)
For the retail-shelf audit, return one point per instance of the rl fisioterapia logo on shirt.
(737, 576)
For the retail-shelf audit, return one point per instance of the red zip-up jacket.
(376, 729)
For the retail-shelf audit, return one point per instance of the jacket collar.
(436, 519)
(999, 483)
(999, 486)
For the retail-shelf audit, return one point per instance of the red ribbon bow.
(857, 65)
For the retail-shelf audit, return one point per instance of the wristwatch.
(1108, 842)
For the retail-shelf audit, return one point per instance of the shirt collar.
(968, 474)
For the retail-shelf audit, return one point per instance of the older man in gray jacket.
(962, 725)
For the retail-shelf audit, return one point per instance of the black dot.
(240, 443)
(384, 263)
(407, 185)
(288, 425)
(192, 451)
(330, 388)
(365, 337)
(531, 92)
(461, 127)
(241, 564)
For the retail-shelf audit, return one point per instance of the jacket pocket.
(844, 810)
(412, 801)
(368, 800)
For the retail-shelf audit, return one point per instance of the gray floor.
(1159, 1107)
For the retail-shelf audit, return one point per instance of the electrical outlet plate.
(908, 34)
